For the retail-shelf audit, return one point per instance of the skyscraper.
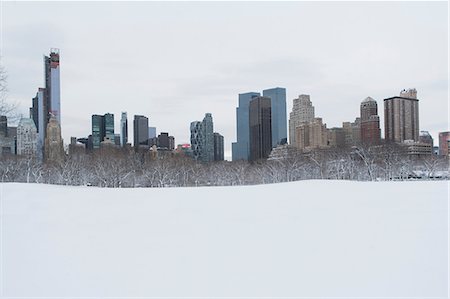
(241, 148)
(202, 139)
(302, 112)
(218, 147)
(102, 127)
(52, 103)
(140, 131)
(260, 122)
(370, 122)
(26, 137)
(401, 117)
(277, 96)
(54, 150)
(123, 129)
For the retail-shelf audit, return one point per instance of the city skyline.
(378, 62)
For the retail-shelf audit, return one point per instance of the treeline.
(119, 168)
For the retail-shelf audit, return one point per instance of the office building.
(102, 128)
(278, 114)
(311, 135)
(140, 132)
(370, 122)
(7, 137)
(241, 148)
(218, 147)
(260, 114)
(401, 117)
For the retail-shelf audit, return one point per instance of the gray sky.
(175, 61)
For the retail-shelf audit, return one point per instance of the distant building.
(102, 127)
(241, 148)
(184, 149)
(277, 97)
(218, 147)
(140, 132)
(444, 143)
(164, 141)
(401, 117)
(7, 137)
(26, 138)
(202, 139)
(352, 132)
(336, 137)
(415, 148)
(302, 112)
(370, 122)
(54, 150)
(76, 148)
(260, 121)
(311, 135)
(123, 129)
(425, 137)
(151, 132)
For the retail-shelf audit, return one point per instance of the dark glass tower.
(260, 125)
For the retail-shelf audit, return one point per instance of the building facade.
(401, 117)
(241, 148)
(26, 137)
(277, 97)
(311, 135)
(123, 129)
(8, 137)
(444, 143)
(202, 139)
(302, 112)
(102, 129)
(140, 131)
(218, 147)
(54, 150)
(260, 121)
(370, 122)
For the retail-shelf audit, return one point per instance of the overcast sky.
(175, 61)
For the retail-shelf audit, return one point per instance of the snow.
(308, 238)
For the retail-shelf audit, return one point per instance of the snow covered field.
(308, 238)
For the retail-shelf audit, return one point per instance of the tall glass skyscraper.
(102, 126)
(140, 131)
(279, 118)
(241, 148)
(202, 139)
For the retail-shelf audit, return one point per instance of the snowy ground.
(310, 238)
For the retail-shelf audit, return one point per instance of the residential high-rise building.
(370, 122)
(54, 150)
(425, 137)
(208, 138)
(302, 112)
(218, 147)
(140, 131)
(202, 139)
(278, 111)
(311, 135)
(52, 103)
(444, 143)
(26, 137)
(196, 139)
(260, 121)
(352, 132)
(401, 117)
(123, 129)
(241, 148)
